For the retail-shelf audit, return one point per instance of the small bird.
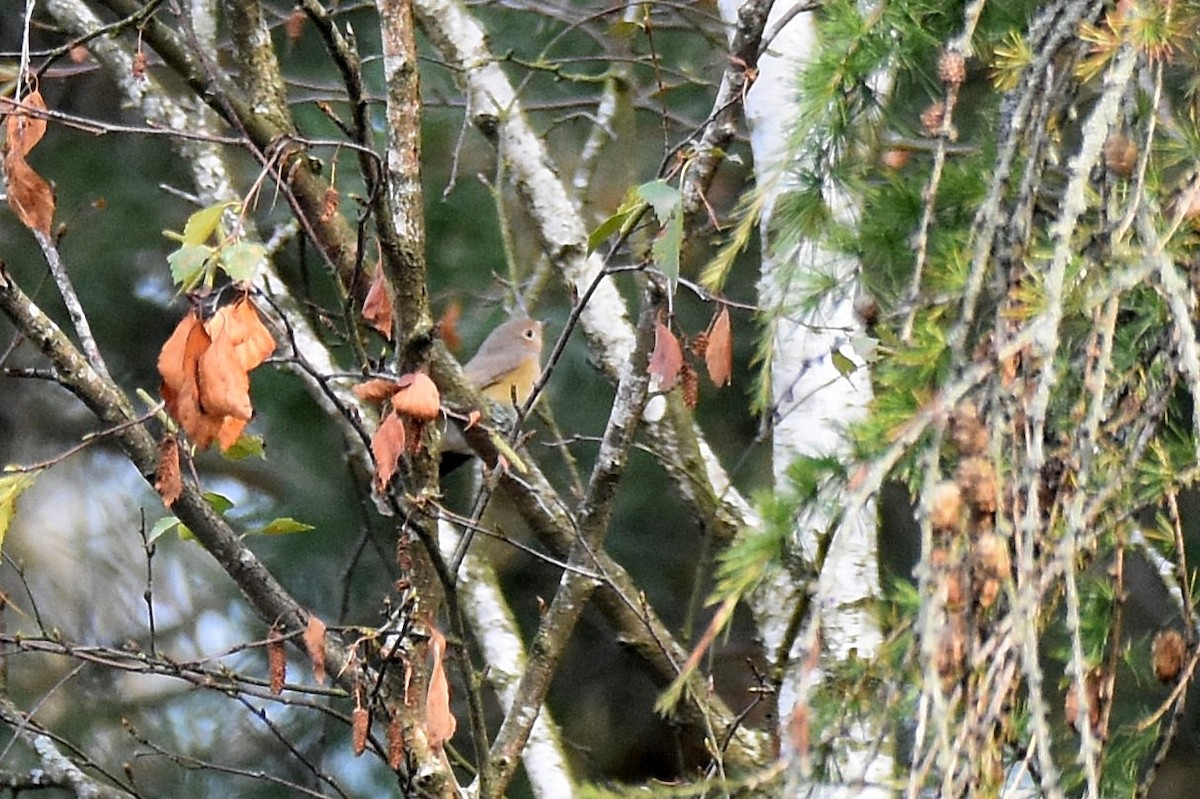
(506, 367)
(509, 361)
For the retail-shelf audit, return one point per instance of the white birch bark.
(815, 402)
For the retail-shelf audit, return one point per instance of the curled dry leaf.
(377, 307)
(167, 479)
(314, 643)
(276, 660)
(440, 723)
(387, 445)
(178, 364)
(252, 342)
(718, 355)
(667, 358)
(417, 397)
(205, 370)
(29, 195)
(376, 390)
(224, 385)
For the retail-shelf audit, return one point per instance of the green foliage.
(196, 261)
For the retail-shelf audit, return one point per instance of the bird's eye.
(529, 332)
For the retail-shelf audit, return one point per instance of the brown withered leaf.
(360, 720)
(667, 358)
(29, 195)
(176, 360)
(377, 307)
(252, 342)
(178, 364)
(376, 390)
(224, 384)
(417, 397)
(718, 355)
(440, 723)
(24, 130)
(447, 326)
(276, 660)
(167, 479)
(314, 643)
(387, 445)
(230, 431)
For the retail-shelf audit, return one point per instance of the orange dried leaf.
(376, 390)
(230, 431)
(473, 419)
(167, 479)
(29, 195)
(224, 384)
(377, 307)
(252, 342)
(447, 326)
(276, 660)
(718, 355)
(667, 358)
(178, 363)
(360, 727)
(314, 642)
(417, 397)
(175, 364)
(440, 723)
(24, 130)
(387, 445)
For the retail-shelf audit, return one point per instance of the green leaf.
(241, 260)
(844, 365)
(219, 502)
(283, 526)
(161, 527)
(667, 245)
(11, 487)
(188, 265)
(247, 446)
(620, 220)
(662, 197)
(202, 224)
(608, 227)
